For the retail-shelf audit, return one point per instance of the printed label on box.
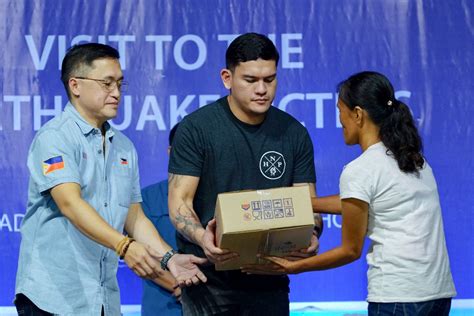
(277, 208)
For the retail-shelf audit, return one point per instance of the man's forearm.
(187, 223)
(80, 213)
(180, 201)
(140, 228)
(166, 281)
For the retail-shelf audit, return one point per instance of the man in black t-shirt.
(238, 142)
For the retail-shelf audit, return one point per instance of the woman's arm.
(330, 204)
(354, 228)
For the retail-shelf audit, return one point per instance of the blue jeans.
(439, 307)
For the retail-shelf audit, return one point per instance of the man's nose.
(261, 87)
(116, 91)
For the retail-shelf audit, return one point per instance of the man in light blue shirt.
(84, 191)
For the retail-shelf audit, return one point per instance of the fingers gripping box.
(273, 221)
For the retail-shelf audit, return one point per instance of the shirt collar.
(85, 127)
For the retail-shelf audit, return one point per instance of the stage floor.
(459, 308)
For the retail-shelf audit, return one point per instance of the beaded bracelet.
(123, 245)
(125, 248)
(119, 247)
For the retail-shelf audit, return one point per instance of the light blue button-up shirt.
(61, 270)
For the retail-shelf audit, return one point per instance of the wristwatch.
(166, 258)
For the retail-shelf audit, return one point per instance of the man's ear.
(226, 76)
(73, 84)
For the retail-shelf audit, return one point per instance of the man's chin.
(261, 109)
(111, 114)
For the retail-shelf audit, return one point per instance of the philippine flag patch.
(123, 161)
(51, 164)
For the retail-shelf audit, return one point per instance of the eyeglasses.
(109, 85)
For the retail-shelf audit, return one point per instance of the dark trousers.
(25, 307)
(204, 299)
(439, 307)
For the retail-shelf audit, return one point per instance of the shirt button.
(99, 151)
(105, 204)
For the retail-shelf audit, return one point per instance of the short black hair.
(83, 55)
(250, 46)
(171, 134)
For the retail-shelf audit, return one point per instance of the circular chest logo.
(272, 165)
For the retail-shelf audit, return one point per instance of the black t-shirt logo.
(272, 165)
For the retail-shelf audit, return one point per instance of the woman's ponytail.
(399, 134)
(374, 93)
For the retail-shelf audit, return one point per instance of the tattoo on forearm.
(186, 222)
(184, 217)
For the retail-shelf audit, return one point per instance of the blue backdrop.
(172, 52)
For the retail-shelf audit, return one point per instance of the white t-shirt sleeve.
(356, 182)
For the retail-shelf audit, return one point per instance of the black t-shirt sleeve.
(187, 154)
(304, 171)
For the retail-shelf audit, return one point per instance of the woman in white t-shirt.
(388, 194)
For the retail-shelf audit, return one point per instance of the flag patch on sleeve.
(51, 164)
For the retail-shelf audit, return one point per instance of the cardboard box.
(274, 221)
